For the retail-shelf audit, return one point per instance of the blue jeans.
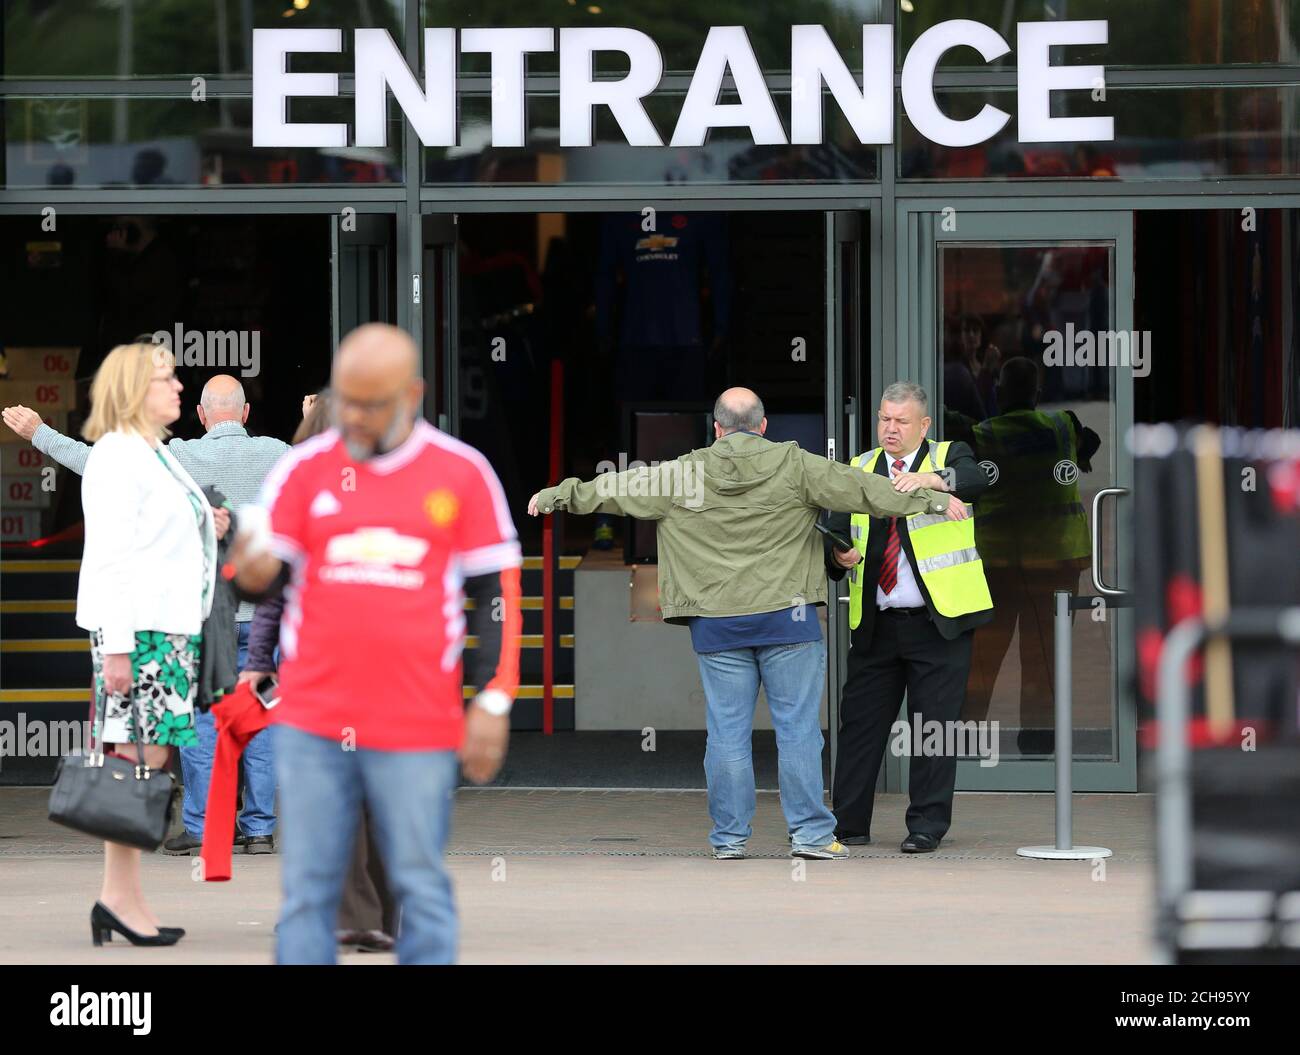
(793, 676)
(409, 796)
(258, 816)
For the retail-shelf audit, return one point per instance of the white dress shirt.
(906, 593)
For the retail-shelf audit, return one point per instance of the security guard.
(916, 593)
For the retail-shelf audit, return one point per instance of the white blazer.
(142, 567)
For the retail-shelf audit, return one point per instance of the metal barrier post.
(1064, 850)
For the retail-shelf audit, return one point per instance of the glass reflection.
(729, 155)
(150, 142)
(132, 39)
(1160, 133)
(1039, 431)
(1151, 33)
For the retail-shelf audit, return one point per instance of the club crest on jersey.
(441, 507)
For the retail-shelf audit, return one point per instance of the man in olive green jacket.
(741, 564)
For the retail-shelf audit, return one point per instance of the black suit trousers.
(906, 653)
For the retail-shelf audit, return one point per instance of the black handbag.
(113, 798)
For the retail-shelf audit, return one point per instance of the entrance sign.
(815, 66)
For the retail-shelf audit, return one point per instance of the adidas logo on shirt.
(324, 504)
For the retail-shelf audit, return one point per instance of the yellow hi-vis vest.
(946, 557)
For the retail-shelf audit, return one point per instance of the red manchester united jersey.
(373, 625)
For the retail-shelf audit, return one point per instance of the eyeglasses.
(367, 407)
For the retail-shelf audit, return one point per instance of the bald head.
(737, 410)
(376, 388)
(377, 352)
(222, 399)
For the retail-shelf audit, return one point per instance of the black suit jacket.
(968, 482)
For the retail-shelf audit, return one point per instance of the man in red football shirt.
(386, 524)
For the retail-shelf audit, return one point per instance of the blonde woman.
(146, 585)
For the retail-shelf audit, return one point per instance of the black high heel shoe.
(103, 923)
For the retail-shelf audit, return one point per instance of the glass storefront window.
(677, 28)
(1217, 298)
(729, 155)
(131, 39)
(1150, 33)
(1160, 133)
(146, 141)
(649, 327)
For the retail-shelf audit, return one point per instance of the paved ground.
(592, 876)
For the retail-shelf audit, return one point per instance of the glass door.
(577, 343)
(364, 289)
(439, 329)
(1021, 327)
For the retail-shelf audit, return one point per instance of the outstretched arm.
(645, 493)
(63, 449)
(847, 489)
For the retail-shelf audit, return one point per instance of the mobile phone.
(266, 691)
(839, 541)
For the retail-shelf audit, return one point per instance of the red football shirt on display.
(374, 619)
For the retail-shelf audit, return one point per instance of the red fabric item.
(239, 717)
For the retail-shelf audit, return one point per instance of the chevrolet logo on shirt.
(375, 546)
(657, 241)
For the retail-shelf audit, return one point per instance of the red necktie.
(889, 567)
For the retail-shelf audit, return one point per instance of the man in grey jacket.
(235, 463)
(741, 564)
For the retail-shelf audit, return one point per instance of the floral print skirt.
(165, 675)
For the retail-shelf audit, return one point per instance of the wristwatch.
(494, 701)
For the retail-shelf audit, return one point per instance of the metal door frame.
(854, 365)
